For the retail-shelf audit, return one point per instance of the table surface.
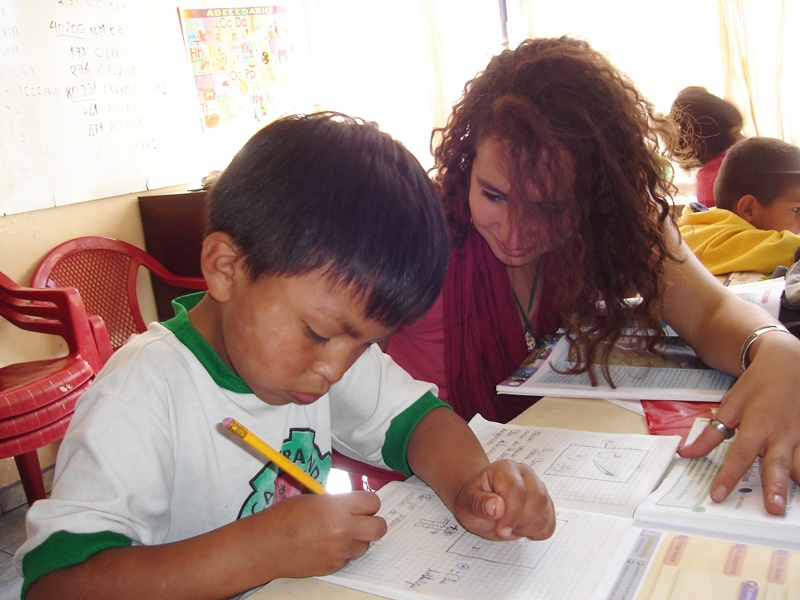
(566, 413)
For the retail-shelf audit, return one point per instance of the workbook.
(615, 538)
(757, 289)
(673, 373)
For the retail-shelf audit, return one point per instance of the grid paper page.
(427, 554)
(585, 470)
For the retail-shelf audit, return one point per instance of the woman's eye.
(796, 209)
(315, 337)
(492, 196)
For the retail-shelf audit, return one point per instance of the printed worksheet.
(584, 470)
(682, 500)
(661, 565)
(427, 554)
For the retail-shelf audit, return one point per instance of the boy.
(324, 235)
(756, 224)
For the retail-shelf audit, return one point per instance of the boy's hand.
(317, 535)
(301, 536)
(506, 501)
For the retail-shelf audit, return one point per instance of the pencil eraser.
(227, 422)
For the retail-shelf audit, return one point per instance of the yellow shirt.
(724, 242)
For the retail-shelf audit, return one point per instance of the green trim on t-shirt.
(197, 345)
(396, 443)
(63, 549)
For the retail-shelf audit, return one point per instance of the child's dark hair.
(759, 166)
(332, 192)
(708, 126)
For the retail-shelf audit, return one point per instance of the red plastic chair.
(37, 398)
(104, 271)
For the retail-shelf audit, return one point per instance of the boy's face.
(291, 337)
(782, 215)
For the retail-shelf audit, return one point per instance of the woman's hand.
(764, 406)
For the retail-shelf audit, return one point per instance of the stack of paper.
(604, 547)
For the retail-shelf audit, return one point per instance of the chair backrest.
(57, 311)
(104, 271)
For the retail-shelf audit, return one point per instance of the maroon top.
(472, 338)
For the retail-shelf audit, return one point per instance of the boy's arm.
(501, 500)
(298, 537)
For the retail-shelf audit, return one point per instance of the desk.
(566, 413)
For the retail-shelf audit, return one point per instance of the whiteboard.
(97, 99)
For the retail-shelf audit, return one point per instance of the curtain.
(746, 51)
(761, 61)
(663, 46)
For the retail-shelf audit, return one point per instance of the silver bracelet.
(757, 333)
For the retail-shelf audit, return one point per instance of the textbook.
(676, 374)
(615, 538)
(763, 292)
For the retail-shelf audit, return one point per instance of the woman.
(556, 192)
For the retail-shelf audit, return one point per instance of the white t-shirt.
(146, 455)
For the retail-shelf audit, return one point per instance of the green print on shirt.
(272, 485)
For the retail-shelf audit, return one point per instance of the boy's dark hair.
(761, 166)
(332, 192)
(708, 125)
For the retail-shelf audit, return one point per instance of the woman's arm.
(764, 404)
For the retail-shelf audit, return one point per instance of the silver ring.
(722, 428)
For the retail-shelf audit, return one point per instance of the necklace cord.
(530, 338)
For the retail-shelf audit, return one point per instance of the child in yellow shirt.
(756, 223)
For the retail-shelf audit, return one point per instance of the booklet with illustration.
(677, 373)
(615, 539)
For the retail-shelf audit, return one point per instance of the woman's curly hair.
(584, 152)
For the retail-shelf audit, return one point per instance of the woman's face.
(514, 244)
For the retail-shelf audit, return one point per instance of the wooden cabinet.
(174, 225)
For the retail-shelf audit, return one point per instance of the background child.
(756, 225)
(708, 127)
(324, 235)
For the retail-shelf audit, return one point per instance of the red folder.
(671, 417)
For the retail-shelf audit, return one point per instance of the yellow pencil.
(273, 455)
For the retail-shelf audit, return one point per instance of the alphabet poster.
(243, 61)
